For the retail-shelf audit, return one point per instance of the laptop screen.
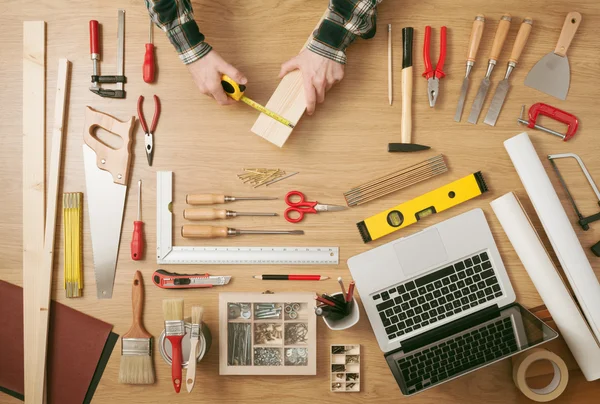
(465, 345)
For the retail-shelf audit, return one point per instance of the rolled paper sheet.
(549, 284)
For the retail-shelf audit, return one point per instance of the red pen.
(291, 277)
(350, 292)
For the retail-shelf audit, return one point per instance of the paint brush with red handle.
(174, 331)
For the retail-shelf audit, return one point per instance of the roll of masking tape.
(559, 381)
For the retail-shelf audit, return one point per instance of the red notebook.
(78, 348)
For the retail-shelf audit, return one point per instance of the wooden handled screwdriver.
(213, 214)
(202, 231)
(210, 199)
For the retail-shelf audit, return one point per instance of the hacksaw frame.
(167, 253)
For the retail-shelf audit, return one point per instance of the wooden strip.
(288, 101)
(34, 118)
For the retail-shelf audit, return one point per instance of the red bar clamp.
(554, 113)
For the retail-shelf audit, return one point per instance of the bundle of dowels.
(263, 176)
(395, 181)
(72, 221)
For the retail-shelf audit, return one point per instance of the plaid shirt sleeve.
(343, 22)
(176, 18)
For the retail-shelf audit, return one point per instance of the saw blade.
(106, 203)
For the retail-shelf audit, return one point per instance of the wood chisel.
(210, 199)
(172, 280)
(474, 41)
(236, 91)
(552, 74)
(407, 84)
(106, 178)
(213, 214)
(503, 86)
(137, 241)
(501, 33)
(202, 231)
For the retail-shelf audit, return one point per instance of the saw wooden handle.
(204, 199)
(202, 231)
(204, 214)
(115, 161)
(475, 39)
(521, 40)
(137, 329)
(500, 38)
(568, 32)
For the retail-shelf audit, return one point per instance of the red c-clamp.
(554, 113)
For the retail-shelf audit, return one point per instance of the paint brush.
(190, 377)
(136, 344)
(174, 331)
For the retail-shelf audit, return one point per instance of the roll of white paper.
(569, 319)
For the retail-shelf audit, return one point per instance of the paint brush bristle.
(173, 309)
(136, 369)
(197, 314)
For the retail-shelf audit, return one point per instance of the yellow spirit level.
(422, 206)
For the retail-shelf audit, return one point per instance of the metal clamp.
(551, 112)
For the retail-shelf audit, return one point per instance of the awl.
(503, 86)
(474, 41)
(201, 231)
(499, 39)
(210, 199)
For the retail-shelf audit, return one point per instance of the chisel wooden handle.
(204, 199)
(204, 214)
(500, 38)
(407, 66)
(475, 39)
(521, 40)
(202, 231)
(568, 32)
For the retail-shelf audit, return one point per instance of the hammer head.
(406, 147)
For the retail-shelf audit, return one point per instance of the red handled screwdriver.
(148, 68)
(137, 242)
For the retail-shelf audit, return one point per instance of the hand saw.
(106, 178)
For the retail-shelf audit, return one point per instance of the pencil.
(350, 292)
(390, 79)
(291, 277)
(342, 286)
(325, 301)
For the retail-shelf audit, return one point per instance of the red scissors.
(303, 206)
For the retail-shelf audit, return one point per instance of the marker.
(291, 277)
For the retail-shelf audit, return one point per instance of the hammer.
(406, 126)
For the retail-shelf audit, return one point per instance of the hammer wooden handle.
(204, 214)
(204, 199)
(202, 231)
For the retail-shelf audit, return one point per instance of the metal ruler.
(167, 253)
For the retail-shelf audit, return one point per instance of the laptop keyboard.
(460, 354)
(435, 296)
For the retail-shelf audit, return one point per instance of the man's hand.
(207, 72)
(319, 75)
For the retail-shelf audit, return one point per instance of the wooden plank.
(34, 118)
(289, 101)
(44, 278)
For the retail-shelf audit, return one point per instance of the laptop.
(441, 304)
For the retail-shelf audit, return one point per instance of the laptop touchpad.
(420, 252)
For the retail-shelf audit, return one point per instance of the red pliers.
(148, 134)
(433, 76)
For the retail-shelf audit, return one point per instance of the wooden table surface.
(342, 145)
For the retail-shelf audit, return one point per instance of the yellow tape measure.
(236, 91)
(422, 206)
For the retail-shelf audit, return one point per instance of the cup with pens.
(338, 310)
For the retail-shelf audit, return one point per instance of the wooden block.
(289, 101)
(34, 96)
(44, 276)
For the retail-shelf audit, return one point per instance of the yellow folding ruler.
(422, 206)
